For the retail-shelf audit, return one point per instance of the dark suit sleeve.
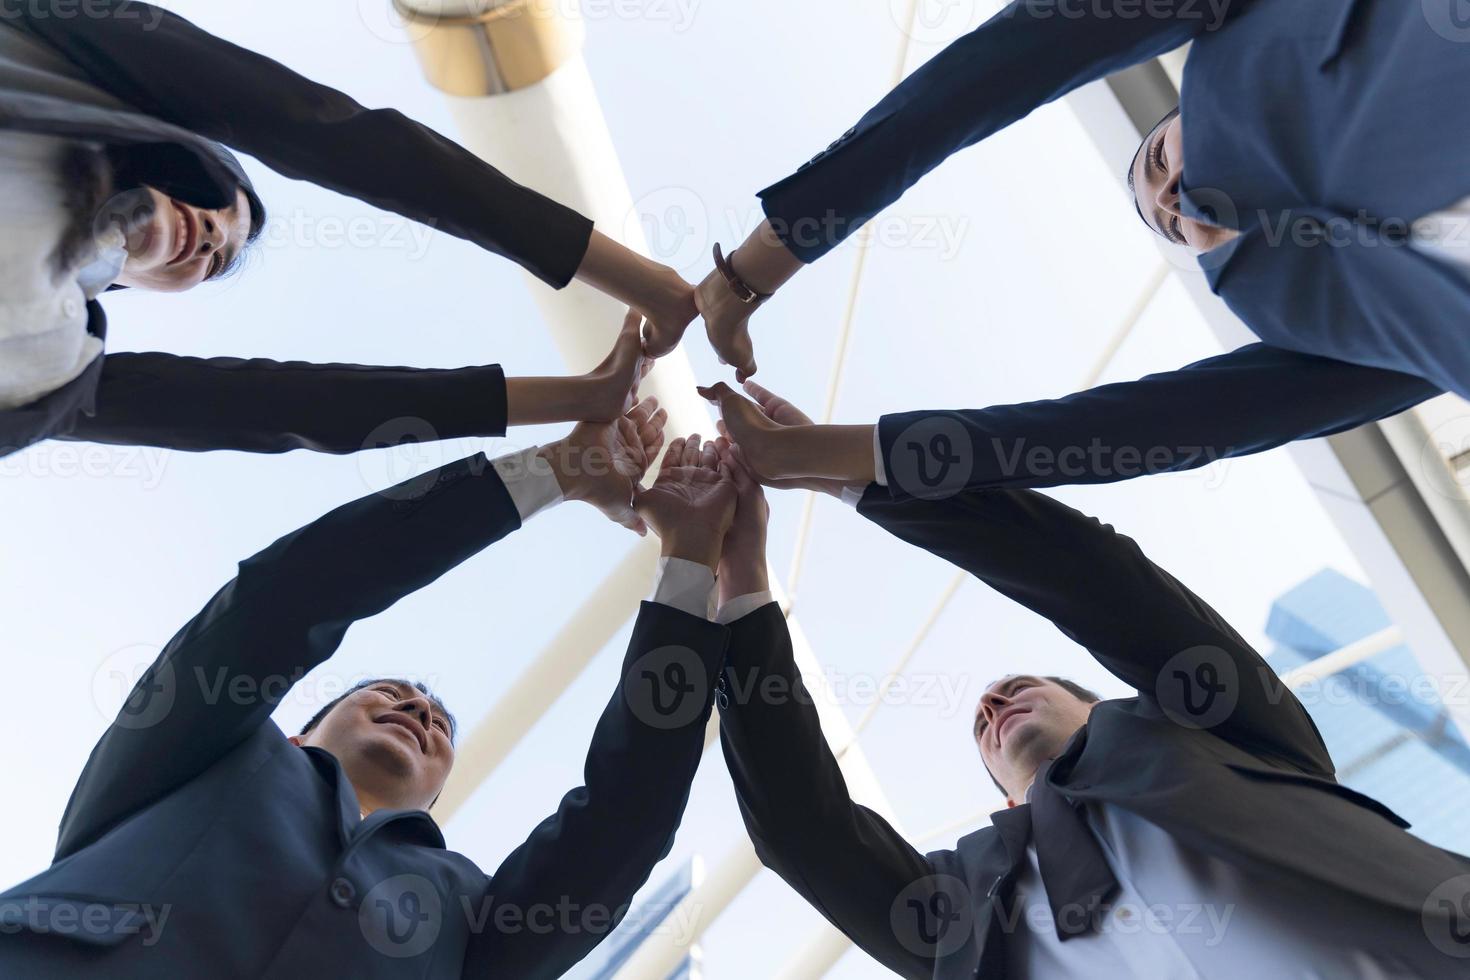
(166, 67)
(264, 406)
(1244, 402)
(1032, 52)
(600, 846)
(218, 680)
(1101, 591)
(843, 858)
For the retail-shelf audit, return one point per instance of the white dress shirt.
(1183, 915)
(44, 343)
(1445, 235)
(683, 585)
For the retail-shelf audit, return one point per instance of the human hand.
(692, 503)
(601, 463)
(668, 314)
(742, 568)
(784, 450)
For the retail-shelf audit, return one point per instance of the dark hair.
(316, 719)
(1168, 117)
(1071, 687)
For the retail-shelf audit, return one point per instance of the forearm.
(1027, 55)
(1246, 401)
(538, 401)
(600, 846)
(263, 406)
(763, 261)
(650, 287)
(845, 860)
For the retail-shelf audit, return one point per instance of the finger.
(633, 442)
(716, 394)
(643, 411)
(650, 448)
(691, 451)
(723, 428)
(768, 400)
(708, 458)
(675, 454)
(632, 324)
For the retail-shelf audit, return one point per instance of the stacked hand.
(692, 503)
(602, 463)
(742, 568)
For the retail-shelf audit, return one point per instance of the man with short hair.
(1194, 830)
(201, 841)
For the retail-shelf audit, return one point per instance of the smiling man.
(1194, 829)
(200, 841)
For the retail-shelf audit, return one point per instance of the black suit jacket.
(195, 810)
(183, 91)
(1307, 129)
(1212, 749)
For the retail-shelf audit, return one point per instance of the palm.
(605, 460)
(691, 492)
(615, 381)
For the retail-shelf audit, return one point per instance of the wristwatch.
(738, 286)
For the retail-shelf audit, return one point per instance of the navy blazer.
(1319, 128)
(1212, 771)
(200, 842)
(182, 93)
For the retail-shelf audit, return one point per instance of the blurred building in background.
(1382, 719)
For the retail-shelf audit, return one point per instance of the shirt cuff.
(880, 473)
(686, 586)
(529, 480)
(742, 606)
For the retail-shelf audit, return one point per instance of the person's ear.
(294, 740)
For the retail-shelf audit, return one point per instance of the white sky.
(707, 104)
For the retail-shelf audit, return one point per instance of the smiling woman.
(173, 246)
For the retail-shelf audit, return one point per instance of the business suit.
(1251, 785)
(1322, 194)
(1247, 401)
(161, 96)
(197, 803)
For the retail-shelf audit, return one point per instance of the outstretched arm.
(843, 858)
(265, 406)
(285, 612)
(1137, 620)
(1236, 404)
(599, 847)
(163, 65)
(289, 607)
(1029, 54)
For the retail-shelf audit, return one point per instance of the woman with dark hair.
(114, 173)
(1312, 170)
